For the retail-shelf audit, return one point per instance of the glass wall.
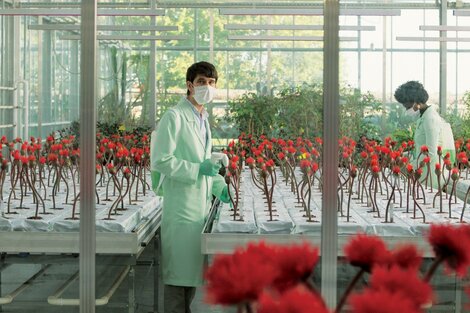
(272, 86)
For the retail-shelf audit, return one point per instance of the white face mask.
(412, 113)
(204, 94)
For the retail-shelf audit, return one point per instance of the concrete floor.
(34, 299)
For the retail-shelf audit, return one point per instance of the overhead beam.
(75, 27)
(77, 12)
(292, 27)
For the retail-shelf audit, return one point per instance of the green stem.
(342, 302)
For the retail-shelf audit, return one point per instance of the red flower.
(295, 300)
(404, 160)
(396, 170)
(365, 251)
(235, 158)
(439, 150)
(418, 172)
(250, 160)
(260, 160)
(42, 160)
(295, 264)
(270, 163)
(455, 174)
(363, 154)
(291, 150)
(424, 149)
(24, 159)
(52, 157)
(281, 155)
(305, 164)
(403, 282)
(314, 166)
(382, 301)
(426, 159)
(438, 167)
(451, 244)
(406, 256)
(233, 166)
(239, 277)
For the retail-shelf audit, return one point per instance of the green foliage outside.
(461, 122)
(299, 112)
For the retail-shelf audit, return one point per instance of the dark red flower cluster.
(296, 300)
(241, 277)
(451, 245)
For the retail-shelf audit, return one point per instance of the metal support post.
(131, 279)
(329, 228)
(156, 268)
(88, 77)
(443, 59)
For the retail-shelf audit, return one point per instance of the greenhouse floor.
(34, 299)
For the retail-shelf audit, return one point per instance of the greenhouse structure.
(234, 156)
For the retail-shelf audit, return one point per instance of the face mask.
(412, 113)
(204, 94)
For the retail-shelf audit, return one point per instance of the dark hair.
(201, 68)
(411, 92)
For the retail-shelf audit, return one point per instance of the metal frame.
(307, 12)
(75, 27)
(329, 227)
(284, 38)
(292, 27)
(88, 78)
(77, 12)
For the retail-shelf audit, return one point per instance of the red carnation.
(295, 300)
(314, 166)
(451, 245)
(365, 251)
(305, 164)
(455, 173)
(240, 277)
(404, 282)
(363, 154)
(42, 160)
(281, 155)
(396, 170)
(424, 149)
(426, 159)
(406, 256)
(295, 264)
(438, 167)
(381, 301)
(250, 161)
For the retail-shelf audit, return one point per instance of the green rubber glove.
(224, 197)
(208, 168)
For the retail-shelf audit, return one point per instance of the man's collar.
(203, 113)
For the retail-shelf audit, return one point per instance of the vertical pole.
(74, 85)
(384, 73)
(329, 239)
(359, 55)
(196, 32)
(88, 77)
(156, 268)
(443, 59)
(152, 83)
(211, 37)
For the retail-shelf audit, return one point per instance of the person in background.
(180, 155)
(431, 129)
